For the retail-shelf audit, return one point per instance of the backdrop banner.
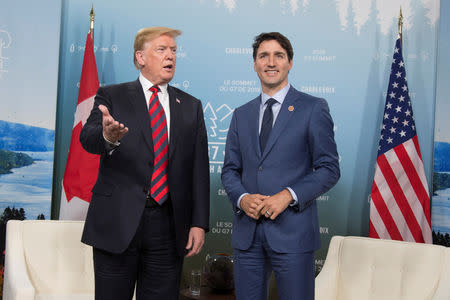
(29, 50)
(440, 202)
(342, 52)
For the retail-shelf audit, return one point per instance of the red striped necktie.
(159, 189)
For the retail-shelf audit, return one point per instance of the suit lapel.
(137, 99)
(254, 124)
(175, 117)
(282, 119)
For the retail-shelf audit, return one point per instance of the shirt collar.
(279, 96)
(146, 84)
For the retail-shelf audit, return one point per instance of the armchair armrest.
(325, 286)
(17, 285)
(443, 288)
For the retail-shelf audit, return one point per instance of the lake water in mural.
(29, 187)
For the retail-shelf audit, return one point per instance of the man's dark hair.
(269, 36)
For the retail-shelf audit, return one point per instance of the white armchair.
(358, 268)
(45, 260)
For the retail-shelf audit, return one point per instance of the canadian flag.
(82, 167)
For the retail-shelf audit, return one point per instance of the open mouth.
(271, 72)
(168, 67)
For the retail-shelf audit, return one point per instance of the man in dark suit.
(280, 156)
(150, 204)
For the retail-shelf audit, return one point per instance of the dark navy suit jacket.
(300, 154)
(119, 195)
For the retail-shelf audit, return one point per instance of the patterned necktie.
(266, 126)
(159, 189)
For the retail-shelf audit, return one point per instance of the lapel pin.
(178, 101)
(291, 108)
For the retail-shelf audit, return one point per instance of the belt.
(150, 202)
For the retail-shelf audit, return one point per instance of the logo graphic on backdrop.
(240, 86)
(318, 89)
(233, 51)
(183, 84)
(319, 55)
(5, 42)
(217, 120)
(81, 48)
(180, 52)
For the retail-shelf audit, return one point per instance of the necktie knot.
(155, 89)
(270, 102)
(266, 125)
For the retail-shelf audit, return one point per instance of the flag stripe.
(373, 232)
(414, 154)
(399, 198)
(416, 145)
(384, 215)
(391, 207)
(424, 198)
(376, 225)
(414, 180)
(404, 175)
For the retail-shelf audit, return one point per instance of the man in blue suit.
(280, 156)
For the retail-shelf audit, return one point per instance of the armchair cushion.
(46, 260)
(364, 268)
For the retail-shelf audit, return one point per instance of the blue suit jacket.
(300, 154)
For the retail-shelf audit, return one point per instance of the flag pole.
(400, 25)
(92, 17)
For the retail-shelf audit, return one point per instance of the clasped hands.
(257, 205)
(113, 131)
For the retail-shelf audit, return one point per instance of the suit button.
(260, 168)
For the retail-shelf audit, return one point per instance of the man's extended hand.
(113, 131)
(250, 203)
(196, 240)
(274, 205)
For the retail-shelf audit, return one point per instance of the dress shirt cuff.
(294, 201)
(239, 200)
(110, 146)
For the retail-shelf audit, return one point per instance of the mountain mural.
(9, 160)
(20, 137)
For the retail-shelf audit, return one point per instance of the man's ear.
(140, 57)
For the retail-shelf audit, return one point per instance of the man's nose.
(271, 60)
(170, 54)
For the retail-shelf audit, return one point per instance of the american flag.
(400, 203)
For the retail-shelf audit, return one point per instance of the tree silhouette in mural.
(12, 214)
(441, 239)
